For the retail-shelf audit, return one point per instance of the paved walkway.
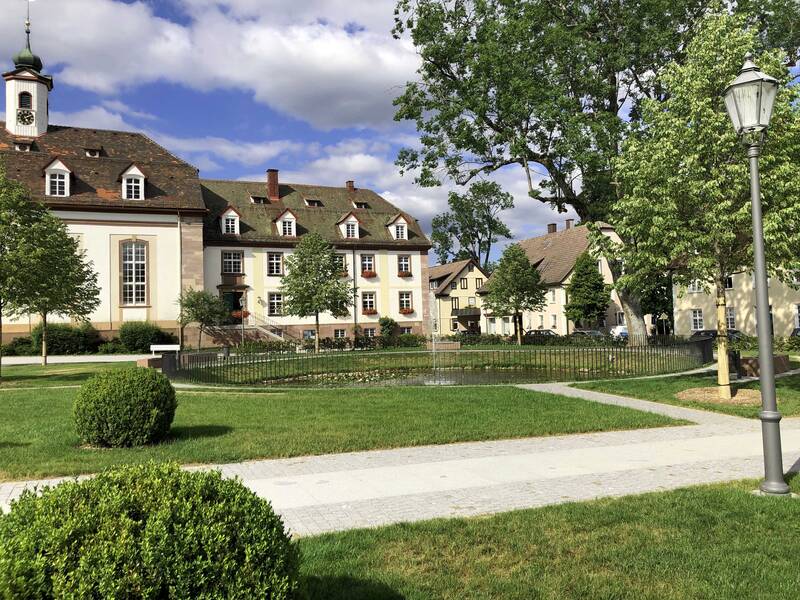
(68, 360)
(343, 491)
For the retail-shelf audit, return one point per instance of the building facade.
(554, 255)
(152, 228)
(695, 306)
(455, 289)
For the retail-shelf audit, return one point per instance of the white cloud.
(301, 61)
(244, 153)
(94, 117)
(121, 107)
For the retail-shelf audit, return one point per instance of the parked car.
(534, 333)
(733, 334)
(589, 333)
(620, 332)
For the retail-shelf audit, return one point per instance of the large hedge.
(146, 531)
(124, 407)
(138, 336)
(67, 339)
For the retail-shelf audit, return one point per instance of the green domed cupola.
(25, 58)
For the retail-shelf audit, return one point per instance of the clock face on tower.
(25, 117)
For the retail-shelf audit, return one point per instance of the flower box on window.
(406, 311)
(369, 311)
(240, 314)
(343, 274)
(368, 274)
(404, 274)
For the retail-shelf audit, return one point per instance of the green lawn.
(663, 389)
(37, 437)
(703, 542)
(19, 376)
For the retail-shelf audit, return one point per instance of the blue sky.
(239, 86)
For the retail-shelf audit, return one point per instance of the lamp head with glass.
(749, 99)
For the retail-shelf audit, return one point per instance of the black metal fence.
(525, 364)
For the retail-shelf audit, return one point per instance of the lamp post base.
(786, 494)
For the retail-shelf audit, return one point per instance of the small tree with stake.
(515, 286)
(588, 295)
(312, 285)
(201, 307)
(59, 280)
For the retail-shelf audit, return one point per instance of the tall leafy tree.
(472, 225)
(514, 287)
(17, 216)
(311, 285)
(201, 307)
(685, 204)
(548, 87)
(588, 296)
(60, 281)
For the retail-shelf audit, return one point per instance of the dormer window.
(287, 224)
(399, 232)
(259, 200)
(351, 230)
(57, 177)
(314, 203)
(229, 221)
(349, 227)
(360, 205)
(22, 147)
(231, 225)
(398, 228)
(92, 152)
(25, 100)
(133, 184)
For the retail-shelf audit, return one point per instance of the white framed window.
(400, 231)
(339, 334)
(697, 319)
(309, 334)
(471, 301)
(553, 321)
(287, 228)
(694, 287)
(231, 263)
(454, 303)
(552, 295)
(620, 318)
(405, 300)
(274, 264)
(478, 283)
(453, 324)
(351, 230)
(730, 317)
(454, 285)
(231, 225)
(506, 325)
(367, 263)
(464, 283)
(404, 264)
(133, 184)
(341, 263)
(134, 273)
(275, 305)
(541, 321)
(57, 184)
(406, 330)
(433, 285)
(368, 300)
(491, 325)
(729, 283)
(369, 332)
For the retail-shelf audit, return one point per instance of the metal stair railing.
(270, 327)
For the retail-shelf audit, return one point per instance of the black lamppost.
(749, 100)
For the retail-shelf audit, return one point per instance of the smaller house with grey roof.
(455, 288)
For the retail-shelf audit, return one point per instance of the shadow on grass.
(4, 445)
(188, 432)
(348, 588)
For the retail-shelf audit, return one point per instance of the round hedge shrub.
(124, 407)
(146, 531)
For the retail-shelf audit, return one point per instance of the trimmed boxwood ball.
(124, 407)
(146, 531)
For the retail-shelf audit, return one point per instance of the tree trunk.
(44, 340)
(316, 333)
(634, 319)
(200, 339)
(723, 367)
(518, 322)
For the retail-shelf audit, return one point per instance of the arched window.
(25, 100)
